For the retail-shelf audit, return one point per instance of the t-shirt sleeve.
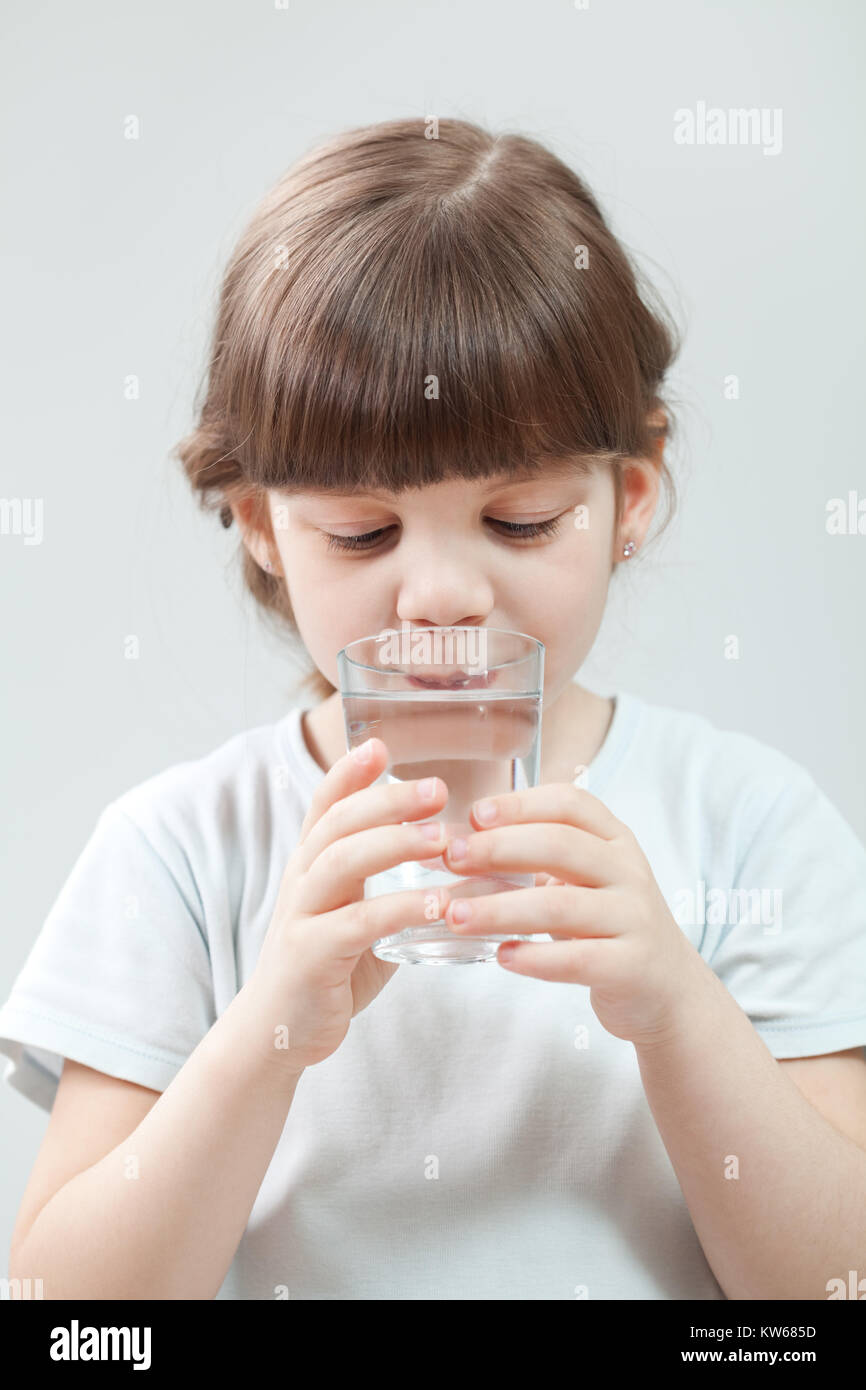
(792, 946)
(119, 977)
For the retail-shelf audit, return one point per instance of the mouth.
(460, 681)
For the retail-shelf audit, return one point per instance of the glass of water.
(463, 704)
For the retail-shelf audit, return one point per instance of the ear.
(640, 485)
(641, 481)
(253, 521)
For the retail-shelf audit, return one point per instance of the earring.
(269, 567)
(628, 549)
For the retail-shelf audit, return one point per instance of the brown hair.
(402, 309)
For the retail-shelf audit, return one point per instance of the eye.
(517, 530)
(354, 542)
(529, 529)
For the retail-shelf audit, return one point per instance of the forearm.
(163, 1213)
(777, 1195)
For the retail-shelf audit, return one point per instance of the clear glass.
(463, 704)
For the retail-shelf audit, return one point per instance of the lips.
(461, 681)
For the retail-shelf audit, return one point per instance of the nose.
(444, 594)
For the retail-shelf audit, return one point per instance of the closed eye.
(517, 530)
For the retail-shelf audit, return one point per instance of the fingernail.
(485, 811)
(460, 910)
(364, 752)
(432, 831)
(427, 789)
(457, 849)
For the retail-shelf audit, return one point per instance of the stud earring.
(628, 549)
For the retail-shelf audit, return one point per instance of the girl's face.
(533, 555)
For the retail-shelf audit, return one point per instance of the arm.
(202, 1151)
(776, 1193)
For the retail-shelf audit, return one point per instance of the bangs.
(384, 334)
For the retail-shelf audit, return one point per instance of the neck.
(573, 729)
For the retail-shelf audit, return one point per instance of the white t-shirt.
(478, 1134)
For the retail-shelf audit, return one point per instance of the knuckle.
(327, 860)
(332, 819)
(565, 906)
(339, 857)
(561, 840)
(567, 797)
(586, 798)
(641, 875)
(361, 916)
(624, 847)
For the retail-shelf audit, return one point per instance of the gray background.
(112, 251)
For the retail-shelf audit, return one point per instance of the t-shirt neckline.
(626, 714)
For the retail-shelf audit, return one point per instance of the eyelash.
(518, 530)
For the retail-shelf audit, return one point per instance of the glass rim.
(343, 655)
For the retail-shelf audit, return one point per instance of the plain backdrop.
(112, 253)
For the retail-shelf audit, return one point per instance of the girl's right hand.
(316, 969)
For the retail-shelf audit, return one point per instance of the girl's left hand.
(598, 899)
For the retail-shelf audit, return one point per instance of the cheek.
(571, 575)
(321, 610)
(565, 603)
(331, 606)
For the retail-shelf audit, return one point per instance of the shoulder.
(228, 793)
(726, 771)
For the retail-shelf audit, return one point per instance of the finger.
(347, 775)
(341, 937)
(358, 806)
(553, 801)
(563, 912)
(336, 876)
(564, 851)
(575, 962)
(478, 887)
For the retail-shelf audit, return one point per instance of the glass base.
(436, 945)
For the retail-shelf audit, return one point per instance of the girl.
(431, 361)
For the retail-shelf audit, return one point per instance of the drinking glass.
(461, 703)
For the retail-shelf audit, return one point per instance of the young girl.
(434, 397)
